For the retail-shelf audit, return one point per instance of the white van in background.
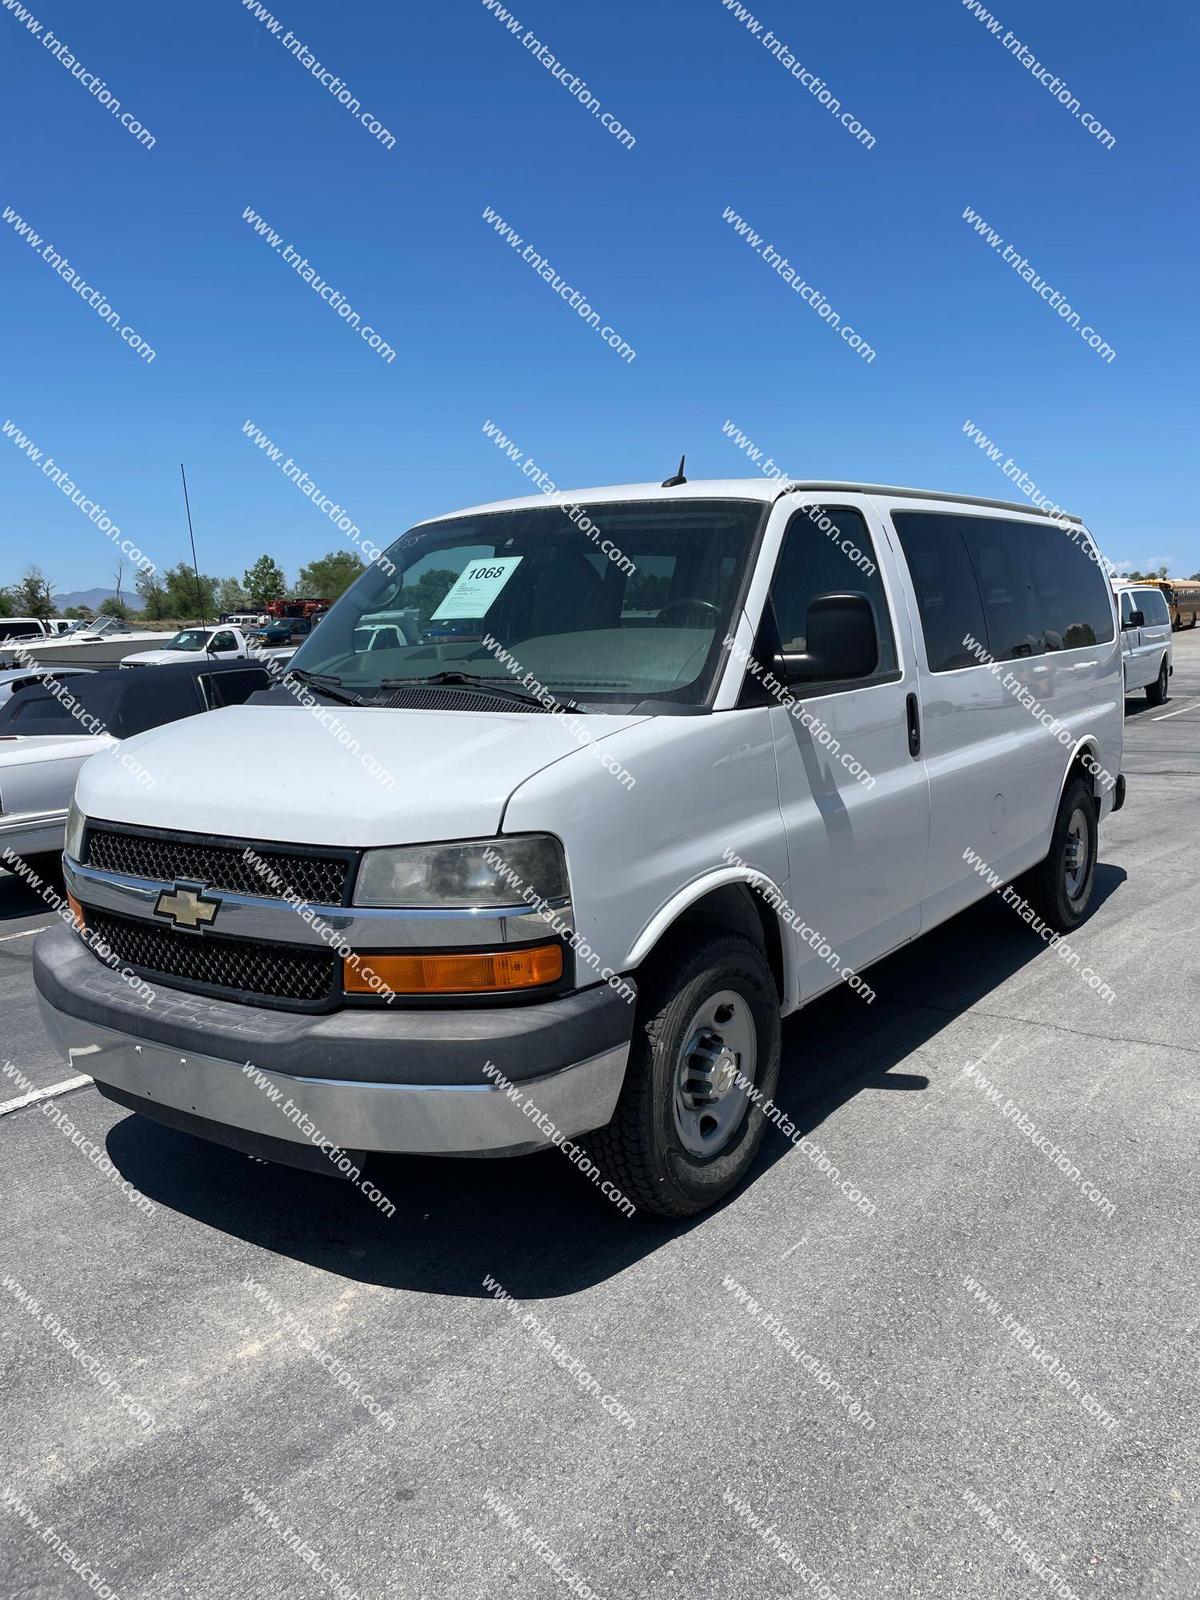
(661, 764)
(1146, 646)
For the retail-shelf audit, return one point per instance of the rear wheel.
(1060, 887)
(705, 1057)
(1156, 692)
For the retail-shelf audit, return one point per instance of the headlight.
(76, 822)
(470, 874)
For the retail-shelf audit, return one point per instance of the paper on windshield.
(476, 587)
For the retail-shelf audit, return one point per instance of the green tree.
(186, 599)
(430, 589)
(264, 581)
(152, 594)
(231, 596)
(32, 597)
(113, 607)
(80, 613)
(331, 575)
(6, 609)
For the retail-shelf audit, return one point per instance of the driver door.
(852, 783)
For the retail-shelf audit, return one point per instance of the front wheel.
(704, 1059)
(1156, 692)
(1060, 887)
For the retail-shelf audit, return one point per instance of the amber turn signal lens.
(76, 912)
(519, 968)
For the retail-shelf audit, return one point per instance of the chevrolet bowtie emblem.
(187, 908)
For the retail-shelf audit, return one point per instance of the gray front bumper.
(363, 1080)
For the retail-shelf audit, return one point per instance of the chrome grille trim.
(363, 927)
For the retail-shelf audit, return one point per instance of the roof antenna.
(195, 567)
(673, 483)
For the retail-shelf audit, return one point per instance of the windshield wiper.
(476, 680)
(328, 684)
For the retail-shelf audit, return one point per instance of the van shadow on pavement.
(536, 1224)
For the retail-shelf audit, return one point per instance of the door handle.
(914, 726)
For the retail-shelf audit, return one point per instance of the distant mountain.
(94, 598)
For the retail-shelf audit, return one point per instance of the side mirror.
(841, 640)
(1137, 619)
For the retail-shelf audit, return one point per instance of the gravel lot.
(502, 1459)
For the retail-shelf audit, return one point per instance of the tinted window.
(819, 556)
(1152, 604)
(234, 688)
(947, 593)
(43, 708)
(1003, 555)
(20, 630)
(1073, 594)
(1126, 606)
(224, 641)
(1036, 590)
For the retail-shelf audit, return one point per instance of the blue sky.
(478, 122)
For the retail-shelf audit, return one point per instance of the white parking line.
(4, 937)
(35, 1095)
(1167, 714)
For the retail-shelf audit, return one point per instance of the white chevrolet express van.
(1146, 644)
(657, 766)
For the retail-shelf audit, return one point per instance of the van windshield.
(610, 603)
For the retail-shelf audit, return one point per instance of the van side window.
(947, 593)
(1072, 592)
(1035, 590)
(821, 555)
(1002, 555)
(1126, 607)
(1152, 605)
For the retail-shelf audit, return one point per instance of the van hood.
(333, 775)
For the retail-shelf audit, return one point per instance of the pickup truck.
(194, 644)
(16, 630)
(285, 630)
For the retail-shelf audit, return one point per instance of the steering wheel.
(691, 601)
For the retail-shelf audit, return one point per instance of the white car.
(666, 763)
(50, 727)
(1146, 647)
(194, 644)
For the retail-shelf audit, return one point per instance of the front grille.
(322, 880)
(278, 972)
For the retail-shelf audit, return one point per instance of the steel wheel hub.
(715, 1068)
(1075, 854)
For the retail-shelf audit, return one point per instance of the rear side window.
(1073, 593)
(947, 593)
(1035, 589)
(46, 711)
(234, 688)
(823, 553)
(1151, 604)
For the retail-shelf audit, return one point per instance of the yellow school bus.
(1182, 596)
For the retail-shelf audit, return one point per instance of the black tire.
(1156, 692)
(642, 1150)
(1047, 886)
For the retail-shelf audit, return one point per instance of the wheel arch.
(1086, 746)
(726, 899)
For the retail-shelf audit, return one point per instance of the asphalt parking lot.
(743, 1472)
